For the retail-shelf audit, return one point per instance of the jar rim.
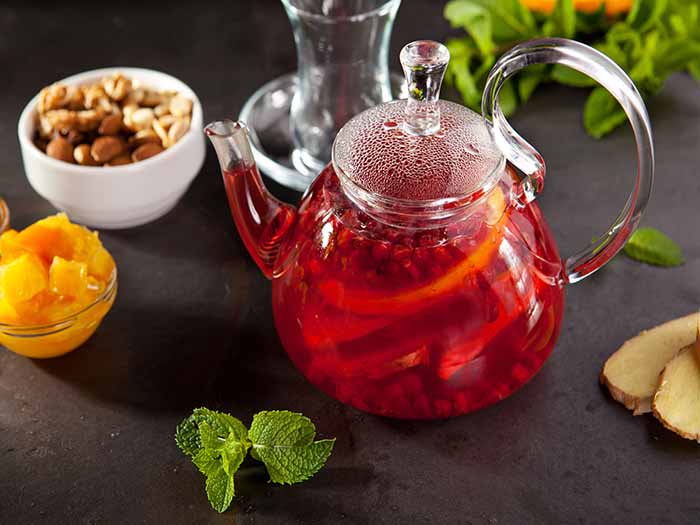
(28, 331)
(4, 215)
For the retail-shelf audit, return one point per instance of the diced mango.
(100, 264)
(46, 241)
(68, 278)
(8, 315)
(9, 249)
(23, 278)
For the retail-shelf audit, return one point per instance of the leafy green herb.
(656, 39)
(218, 443)
(650, 246)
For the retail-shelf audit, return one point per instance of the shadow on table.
(172, 362)
(669, 443)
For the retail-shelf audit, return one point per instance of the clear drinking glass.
(343, 69)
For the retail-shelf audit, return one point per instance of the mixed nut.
(109, 123)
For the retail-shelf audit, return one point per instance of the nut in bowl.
(114, 148)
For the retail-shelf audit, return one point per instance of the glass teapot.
(418, 277)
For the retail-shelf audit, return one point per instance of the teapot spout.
(262, 220)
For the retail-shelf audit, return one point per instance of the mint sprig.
(218, 443)
(284, 441)
(650, 246)
(655, 39)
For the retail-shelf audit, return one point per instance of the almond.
(177, 130)
(120, 160)
(117, 86)
(146, 151)
(59, 148)
(135, 97)
(92, 95)
(142, 118)
(143, 137)
(128, 109)
(161, 132)
(82, 156)
(151, 98)
(105, 149)
(161, 109)
(180, 106)
(55, 96)
(75, 137)
(110, 125)
(167, 120)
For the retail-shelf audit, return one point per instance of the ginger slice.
(677, 401)
(632, 373)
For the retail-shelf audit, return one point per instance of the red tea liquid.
(417, 323)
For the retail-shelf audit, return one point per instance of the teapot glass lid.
(423, 148)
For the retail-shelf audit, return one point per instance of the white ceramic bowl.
(116, 196)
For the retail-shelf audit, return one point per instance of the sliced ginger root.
(677, 400)
(632, 373)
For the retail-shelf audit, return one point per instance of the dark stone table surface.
(88, 438)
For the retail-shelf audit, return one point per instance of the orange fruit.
(612, 7)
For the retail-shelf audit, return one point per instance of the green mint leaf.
(187, 434)
(602, 113)
(592, 23)
(470, 83)
(562, 21)
(694, 70)
(209, 438)
(206, 461)
(232, 455)
(511, 20)
(646, 13)
(284, 442)
(219, 487)
(281, 427)
(650, 246)
(288, 465)
(680, 53)
(508, 98)
(218, 444)
(475, 20)
(529, 79)
(570, 77)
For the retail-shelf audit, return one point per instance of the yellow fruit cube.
(23, 278)
(67, 278)
(7, 313)
(9, 249)
(101, 264)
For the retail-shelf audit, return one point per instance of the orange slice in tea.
(366, 302)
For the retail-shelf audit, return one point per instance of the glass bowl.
(63, 336)
(4, 216)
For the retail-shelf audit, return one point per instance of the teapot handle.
(523, 156)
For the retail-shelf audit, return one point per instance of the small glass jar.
(62, 336)
(4, 216)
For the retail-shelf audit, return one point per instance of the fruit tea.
(417, 323)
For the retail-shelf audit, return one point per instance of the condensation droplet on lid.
(472, 149)
(377, 153)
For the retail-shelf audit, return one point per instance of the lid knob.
(424, 63)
